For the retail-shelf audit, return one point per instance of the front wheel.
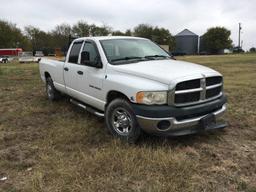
(121, 121)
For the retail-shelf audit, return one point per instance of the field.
(52, 147)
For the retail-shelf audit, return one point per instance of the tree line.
(34, 39)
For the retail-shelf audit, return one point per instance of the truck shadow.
(182, 141)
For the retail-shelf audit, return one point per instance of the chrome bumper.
(150, 125)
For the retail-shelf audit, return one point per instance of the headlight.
(151, 98)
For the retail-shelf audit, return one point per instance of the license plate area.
(208, 121)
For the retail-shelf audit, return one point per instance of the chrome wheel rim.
(121, 121)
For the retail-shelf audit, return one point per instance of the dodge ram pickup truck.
(136, 86)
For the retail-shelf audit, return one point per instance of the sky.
(175, 15)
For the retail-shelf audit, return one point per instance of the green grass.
(48, 146)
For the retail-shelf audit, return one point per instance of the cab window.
(90, 55)
(74, 53)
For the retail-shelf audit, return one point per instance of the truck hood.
(166, 71)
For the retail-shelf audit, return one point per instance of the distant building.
(202, 49)
(186, 43)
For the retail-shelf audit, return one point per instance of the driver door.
(94, 72)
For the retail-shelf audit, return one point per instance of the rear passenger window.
(74, 53)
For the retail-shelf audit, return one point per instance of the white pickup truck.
(136, 86)
(27, 57)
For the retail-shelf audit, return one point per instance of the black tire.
(121, 110)
(51, 91)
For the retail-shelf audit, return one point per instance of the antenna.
(239, 35)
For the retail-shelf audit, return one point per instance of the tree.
(143, 30)
(63, 30)
(161, 36)
(12, 37)
(120, 33)
(81, 29)
(37, 37)
(216, 39)
(60, 37)
(253, 49)
(99, 31)
(128, 32)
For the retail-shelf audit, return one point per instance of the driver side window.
(90, 55)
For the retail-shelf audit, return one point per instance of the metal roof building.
(186, 42)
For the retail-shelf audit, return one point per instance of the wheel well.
(46, 74)
(114, 95)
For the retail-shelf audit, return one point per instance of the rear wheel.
(51, 91)
(121, 121)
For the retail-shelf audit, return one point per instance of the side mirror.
(97, 62)
(85, 60)
(170, 54)
(172, 57)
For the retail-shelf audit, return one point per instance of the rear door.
(74, 73)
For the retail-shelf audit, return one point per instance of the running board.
(87, 108)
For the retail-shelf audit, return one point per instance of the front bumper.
(180, 121)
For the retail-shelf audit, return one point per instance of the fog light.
(163, 125)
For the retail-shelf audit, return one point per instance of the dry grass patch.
(48, 146)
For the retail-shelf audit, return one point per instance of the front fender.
(130, 85)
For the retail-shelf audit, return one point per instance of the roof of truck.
(109, 37)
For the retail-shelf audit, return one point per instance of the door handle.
(80, 72)
(66, 69)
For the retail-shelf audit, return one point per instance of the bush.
(253, 49)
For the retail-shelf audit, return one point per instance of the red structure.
(10, 52)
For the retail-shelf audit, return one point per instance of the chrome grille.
(197, 91)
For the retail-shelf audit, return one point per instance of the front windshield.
(121, 51)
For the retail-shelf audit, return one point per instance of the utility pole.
(239, 35)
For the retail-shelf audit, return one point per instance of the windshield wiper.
(156, 56)
(126, 58)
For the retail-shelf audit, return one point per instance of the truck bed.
(53, 67)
